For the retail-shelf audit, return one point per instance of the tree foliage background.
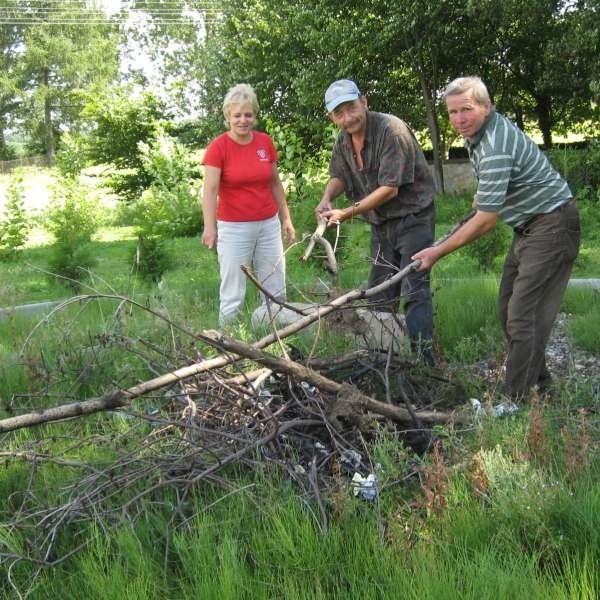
(61, 58)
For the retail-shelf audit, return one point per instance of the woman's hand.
(209, 237)
(289, 233)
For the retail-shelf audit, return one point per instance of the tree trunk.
(434, 132)
(519, 117)
(543, 110)
(3, 148)
(48, 130)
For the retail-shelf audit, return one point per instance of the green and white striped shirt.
(514, 177)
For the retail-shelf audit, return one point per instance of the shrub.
(170, 207)
(489, 248)
(72, 217)
(14, 227)
(70, 157)
(295, 161)
(580, 167)
(452, 207)
(150, 260)
(122, 120)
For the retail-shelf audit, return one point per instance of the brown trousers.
(535, 276)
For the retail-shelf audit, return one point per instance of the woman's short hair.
(242, 94)
(460, 85)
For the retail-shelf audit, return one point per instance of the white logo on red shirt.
(262, 154)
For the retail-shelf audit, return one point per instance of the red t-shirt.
(245, 192)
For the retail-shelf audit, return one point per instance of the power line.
(56, 12)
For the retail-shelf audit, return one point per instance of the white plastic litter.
(500, 410)
(477, 407)
(504, 408)
(365, 487)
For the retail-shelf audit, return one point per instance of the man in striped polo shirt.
(517, 184)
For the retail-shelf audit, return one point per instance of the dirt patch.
(564, 359)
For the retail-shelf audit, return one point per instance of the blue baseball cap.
(342, 90)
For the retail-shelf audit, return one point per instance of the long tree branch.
(119, 398)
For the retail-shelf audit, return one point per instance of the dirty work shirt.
(245, 188)
(514, 177)
(391, 157)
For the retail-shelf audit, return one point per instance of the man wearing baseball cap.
(378, 164)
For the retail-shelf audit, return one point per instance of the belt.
(520, 229)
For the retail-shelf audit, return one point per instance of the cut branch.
(317, 236)
(343, 391)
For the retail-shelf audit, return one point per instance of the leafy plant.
(151, 259)
(14, 227)
(121, 121)
(73, 217)
(295, 161)
(579, 166)
(292, 157)
(489, 248)
(170, 207)
(70, 158)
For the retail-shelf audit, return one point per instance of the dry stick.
(323, 383)
(120, 398)
(317, 236)
(250, 275)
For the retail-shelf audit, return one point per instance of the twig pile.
(215, 422)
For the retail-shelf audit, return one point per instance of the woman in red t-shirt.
(244, 205)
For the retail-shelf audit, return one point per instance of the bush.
(122, 120)
(488, 249)
(14, 227)
(170, 207)
(451, 208)
(150, 260)
(295, 161)
(70, 157)
(72, 217)
(581, 167)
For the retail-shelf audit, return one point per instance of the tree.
(397, 51)
(120, 122)
(10, 83)
(60, 60)
(540, 60)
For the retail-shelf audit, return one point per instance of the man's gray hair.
(241, 94)
(460, 85)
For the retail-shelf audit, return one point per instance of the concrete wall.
(458, 175)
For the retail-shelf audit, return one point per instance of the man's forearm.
(334, 188)
(376, 198)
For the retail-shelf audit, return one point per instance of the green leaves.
(14, 225)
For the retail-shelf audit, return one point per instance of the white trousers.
(256, 244)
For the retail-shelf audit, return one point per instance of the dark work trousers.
(535, 276)
(392, 245)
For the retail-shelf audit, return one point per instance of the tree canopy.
(539, 60)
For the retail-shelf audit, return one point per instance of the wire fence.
(7, 166)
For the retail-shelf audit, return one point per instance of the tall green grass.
(270, 546)
(584, 304)
(466, 321)
(531, 532)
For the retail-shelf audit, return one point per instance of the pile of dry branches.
(207, 422)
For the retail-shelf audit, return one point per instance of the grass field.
(510, 508)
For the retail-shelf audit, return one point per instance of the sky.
(110, 6)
